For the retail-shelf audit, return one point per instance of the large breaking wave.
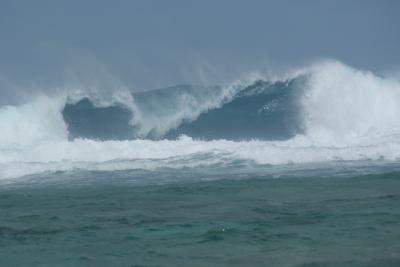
(323, 113)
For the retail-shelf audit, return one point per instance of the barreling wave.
(263, 110)
(323, 113)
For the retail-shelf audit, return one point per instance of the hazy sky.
(148, 44)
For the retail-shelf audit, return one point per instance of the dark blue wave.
(264, 110)
(84, 120)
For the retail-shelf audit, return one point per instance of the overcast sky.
(149, 44)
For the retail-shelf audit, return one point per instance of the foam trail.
(120, 155)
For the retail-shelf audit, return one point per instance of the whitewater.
(327, 112)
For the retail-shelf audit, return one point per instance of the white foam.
(30, 123)
(121, 155)
(343, 104)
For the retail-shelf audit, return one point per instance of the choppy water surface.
(261, 221)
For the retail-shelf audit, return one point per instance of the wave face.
(323, 113)
(85, 120)
(264, 111)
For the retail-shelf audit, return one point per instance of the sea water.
(118, 219)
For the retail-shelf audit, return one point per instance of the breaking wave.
(323, 113)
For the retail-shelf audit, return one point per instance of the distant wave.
(326, 112)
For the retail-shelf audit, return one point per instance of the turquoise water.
(261, 221)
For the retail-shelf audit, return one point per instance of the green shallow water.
(308, 222)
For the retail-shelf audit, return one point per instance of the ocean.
(301, 169)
